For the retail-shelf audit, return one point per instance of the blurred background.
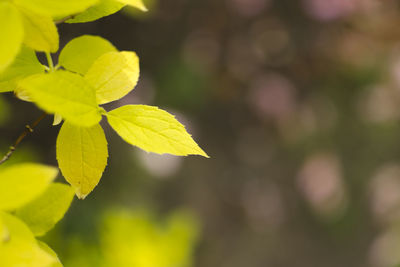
(298, 104)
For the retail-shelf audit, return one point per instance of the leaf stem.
(28, 129)
(50, 61)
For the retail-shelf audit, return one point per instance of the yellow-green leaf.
(51, 252)
(44, 212)
(102, 9)
(56, 8)
(153, 130)
(11, 33)
(25, 64)
(21, 249)
(66, 94)
(22, 183)
(113, 75)
(40, 31)
(134, 3)
(82, 156)
(80, 53)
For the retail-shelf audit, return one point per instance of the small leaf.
(82, 156)
(102, 9)
(113, 75)
(66, 94)
(25, 64)
(40, 32)
(44, 212)
(134, 3)
(153, 130)
(22, 183)
(80, 53)
(11, 34)
(21, 249)
(56, 8)
(57, 120)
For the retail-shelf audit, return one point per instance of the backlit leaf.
(22, 183)
(82, 156)
(11, 33)
(80, 53)
(40, 32)
(113, 75)
(153, 130)
(51, 252)
(25, 64)
(134, 3)
(102, 9)
(44, 212)
(66, 94)
(21, 249)
(56, 8)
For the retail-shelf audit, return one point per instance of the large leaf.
(40, 32)
(56, 8)
(11, 33)
(113, 75)
(153, 130)
(134, 3)
(80, 53)
(102, 9)
(66, 94)
(21, 249)
(45, 211)
(21, 183)
(82, 156)
(25, 64)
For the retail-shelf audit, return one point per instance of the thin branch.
(28, 129)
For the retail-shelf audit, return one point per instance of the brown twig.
(28, 129)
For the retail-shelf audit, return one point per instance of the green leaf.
(102, 9)
(153, 130)
(21, 249)
(82, 156)
(45, 211)
(22, 183)
(80, 53)
(11, 33)
(51, 252)
(66, 94)
(40, 31)
(113, 75)
(134, 3)
(25, 64)
(56, 8)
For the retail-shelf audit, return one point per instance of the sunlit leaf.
(44, 212)
(25, 64)
(56, 8)
(22, 183)
(21, 249)
(82, 156)
(113, 75)
(40, 32)
(153, 130)
(102, 9)
(51, 252)
(134, 3)
(11, 33)
(80, 53)
(66, 94)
